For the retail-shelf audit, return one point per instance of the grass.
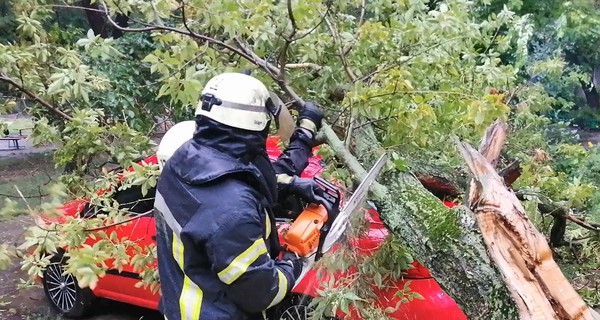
(18, 124)
(43, 317)
(32, 174)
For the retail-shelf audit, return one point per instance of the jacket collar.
(199, 164)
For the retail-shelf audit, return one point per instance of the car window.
(130, 199)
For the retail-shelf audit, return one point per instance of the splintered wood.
(521, 253)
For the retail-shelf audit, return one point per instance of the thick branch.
(349, 160)
(288, 41)
(46, 104)
(511, 173)
(521, 253)
(341, 52)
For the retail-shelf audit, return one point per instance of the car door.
(122, 285)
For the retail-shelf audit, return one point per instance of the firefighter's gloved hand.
(308, 189)
(310, 117)
(294, 260)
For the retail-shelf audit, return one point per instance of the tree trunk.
(591, 94)
(95, 18)
(533, 278)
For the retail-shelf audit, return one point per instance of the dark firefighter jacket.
(216, 236)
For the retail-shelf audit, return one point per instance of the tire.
(64, 293)
(295, 307)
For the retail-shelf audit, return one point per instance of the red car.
(70, 300)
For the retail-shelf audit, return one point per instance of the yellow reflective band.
(240, 264)
(190, 300)
(177, 250)
(281, 291)
(267, 225)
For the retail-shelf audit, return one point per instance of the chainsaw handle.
(332, 194)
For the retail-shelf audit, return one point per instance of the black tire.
(64, 293)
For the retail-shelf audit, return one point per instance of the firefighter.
(218, 249)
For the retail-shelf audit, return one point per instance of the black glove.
(294, 260)
(310, 191)
(312, 113)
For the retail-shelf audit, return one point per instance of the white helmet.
(173, 139)
(236, 100)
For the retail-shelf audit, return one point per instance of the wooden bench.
(13, 141)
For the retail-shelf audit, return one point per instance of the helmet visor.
(283, 118)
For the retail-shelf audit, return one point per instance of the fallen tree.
(529, 284)
(447, 241)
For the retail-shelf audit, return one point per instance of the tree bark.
(521, 253)
(511, 173)
(96, 18)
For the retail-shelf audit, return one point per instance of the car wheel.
(295, 312)
(296, 307)
(64, 292)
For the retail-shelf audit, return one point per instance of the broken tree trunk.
(521, 253)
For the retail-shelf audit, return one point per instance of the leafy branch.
(288, 40)
(5, 78)
(134, 217)
(187, 32)
(341, 53)
(244, 50)
(408, 59)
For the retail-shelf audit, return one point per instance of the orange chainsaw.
(315, 230)
(307, 233)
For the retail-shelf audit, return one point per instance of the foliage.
(360, 275)
(133, 95)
